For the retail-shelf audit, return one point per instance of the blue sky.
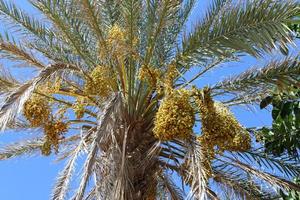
(32, 178)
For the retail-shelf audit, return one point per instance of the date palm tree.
(112, 84)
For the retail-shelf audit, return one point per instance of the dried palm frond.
(64, 179)
(25, 148)
(171, 187)
(15, 100)
(196, 173)
(102, 134)
(7, 81)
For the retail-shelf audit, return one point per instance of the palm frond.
(273, 180)
(15, 100)
(223, 33)
(196, 172)
(240, 186)
(63, 181)
(22, 21)
(41, 37)
(91, 195)
(15, 52)
(101, 134)
(123, 156)
(26, 148)
(175, 192)
(73, 31)
(165, 11)
(7, 81)
(93, 17)
(167, 42)
(110, 11)
(257, 82)
(288, 167)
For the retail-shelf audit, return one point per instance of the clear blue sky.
(32, 178)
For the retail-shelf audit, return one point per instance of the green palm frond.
(241, 187)
(164, 11)
(287, 166)
(11, 50)
(167, 41)
(93, 18)
(260, 81)
(110, 11)
(224, 33)
(21, 21)
(40, 37)
(73, 31)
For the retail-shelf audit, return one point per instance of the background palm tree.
(111, 86)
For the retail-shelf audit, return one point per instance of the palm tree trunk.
(144, 168)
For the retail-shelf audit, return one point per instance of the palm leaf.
(15, 100)
(73, 31)
(257, 81)
(63, 181)
(26, 147)
(275, 181)
(289, 167)
(196, 171)
(7, 81)
(223, 33)
(16, 52)
(101, 134)
(22, 21)
(173, 190)
(241, 187)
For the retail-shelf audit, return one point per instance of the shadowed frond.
(172, 188)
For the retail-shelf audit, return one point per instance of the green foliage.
(284, 136)
(292, 194)
(295, 26)
(296, 29)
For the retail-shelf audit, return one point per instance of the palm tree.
(110, 85)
